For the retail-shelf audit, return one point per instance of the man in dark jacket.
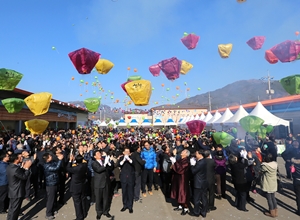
(78, 173)
(127, 176)
(16, 176)
(138, 167)
(51, 169)
(211, 165)
(199, 171)
(296, 179)
(102, 167)
(4, 158)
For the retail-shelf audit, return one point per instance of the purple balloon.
(171, 68)
(286, 51)
(256, 42)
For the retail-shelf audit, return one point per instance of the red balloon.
(123, 86)
(129, 117)
(84, 60)
(270, 57)
(196, 126)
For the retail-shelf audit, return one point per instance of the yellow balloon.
(225, 50)
(139, 91)
(36, 126)
(103, 66)
(185, 67)
(38, 103)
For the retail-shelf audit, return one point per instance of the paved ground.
(155, 207)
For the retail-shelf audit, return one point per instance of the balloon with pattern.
(196, 126)
(92, 104)
(287, 51)
(185, 67)
(251, 123)
(291, 84)
(171, 68)
(9, 79)
(139, 91)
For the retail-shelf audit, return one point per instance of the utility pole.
(209, 101)
(269, 79)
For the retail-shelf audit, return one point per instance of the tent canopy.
(227, 115)
(268, 117)
(216, 116)
(241, 112)
(208, 117)
(170, 122)
(133, 122)
(158, 122)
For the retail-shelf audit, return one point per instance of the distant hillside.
(240, 92)
(106, 110)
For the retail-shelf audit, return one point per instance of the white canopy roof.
(158, 122)
(208, 117)
(170, 122)
(202, 116)
(217, 115)
(241, 112)
(122, 123)
(103, 124)
(227, 115)
(197, 117)
(146, 122)
(268, 117)
(133, 122)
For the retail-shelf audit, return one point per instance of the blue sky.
(137, 34)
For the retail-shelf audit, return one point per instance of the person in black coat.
(78, 173)
(102, 167)
(238, 166)
(166, 172)
(16, 177)
(138, 167)
(211, 165)
(199, 171)
(127, 178)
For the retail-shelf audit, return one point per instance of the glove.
(106, 161)
(173, 159)
(126, 157)
(244, 154)
(192, 161)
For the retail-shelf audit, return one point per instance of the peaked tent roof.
(158, 122)
(133, 122)
(122, 122)
(208, 117)
(217, 115)
(227, 115)
(103, 124)
(202, 116)
(146, 122)
(268, 117)
(240, 113)
(197, 117)
(170, 122)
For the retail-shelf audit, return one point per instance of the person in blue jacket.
(148, 154)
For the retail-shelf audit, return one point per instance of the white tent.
(122, 123)
(234, 120)
(197, 117)
(180, 120)
(146, 123)
(268, 117)
(186, 119)
(216, 116)
(191, 118)
(133, 122)
(208, 117)
(227, 115)
(103, 124)
(112, 122)
(158, 122)
(170, 122)
(202, 116)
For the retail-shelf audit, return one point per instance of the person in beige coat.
(269, 183)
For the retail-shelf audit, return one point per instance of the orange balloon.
(86, 83)
(135, 70)
(80, 94)
(188, 89)
(72, 78)
(177, 87)
(128, 68)
(73, 131)
(58, 138)
(162, 85)
(86, 90)
(297, 33)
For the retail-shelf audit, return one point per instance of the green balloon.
(199, 89)
(152, 88)
(168, 89)
(162, 96)
(83, 142)
(108, 90)
(9, 79)
(94, 92)
(96, 77)
(177, 94)
(13, 105)
(234, 130)
(269, 128)
(112, 97)
(185, 83)
(92, 104)
(82, 81)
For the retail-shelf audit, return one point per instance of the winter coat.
(150, 157)
(269, 177)
(51, 170)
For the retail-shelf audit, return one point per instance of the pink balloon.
(286, 51)
(196, 126)
(190, 41)
(123, 86)
(155, 70)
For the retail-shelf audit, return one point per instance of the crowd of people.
(96, 163)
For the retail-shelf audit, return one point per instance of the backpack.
(166, 166)
(220, 166)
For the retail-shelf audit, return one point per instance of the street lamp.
(269, 78)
